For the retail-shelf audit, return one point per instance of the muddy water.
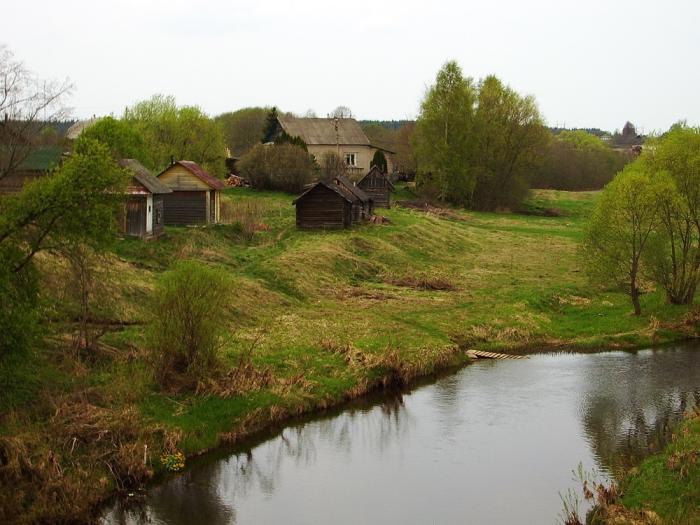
(495, 443)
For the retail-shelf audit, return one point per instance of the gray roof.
(76, 129)
(375, 168)
(358, 193)
(143, 176)
(316, 131)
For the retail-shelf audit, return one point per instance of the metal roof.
(315, 131)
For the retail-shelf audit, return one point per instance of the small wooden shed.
(332, 205)
(377, 186)
(144, 213)
(195, 197)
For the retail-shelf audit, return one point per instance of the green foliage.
(508, 135)
(76, 204)
(283, 167)
(443, 138)
(270, 126)
(622, 223)
(182, 132)
(577, 160)
(379, 160)
(186, 328)
(675, 260)
(475, 145)
(119, 136)
(243, 128)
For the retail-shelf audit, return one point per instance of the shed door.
(135, 217)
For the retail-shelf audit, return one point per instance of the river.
(494, 443)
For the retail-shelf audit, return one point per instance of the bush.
(284, 167)
(186, 332)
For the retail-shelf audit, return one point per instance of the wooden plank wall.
(184, 208)
(377, 187)
(322, 208)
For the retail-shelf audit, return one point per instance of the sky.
(590, 63)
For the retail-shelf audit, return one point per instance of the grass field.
(327, 316)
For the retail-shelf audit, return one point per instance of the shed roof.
(42, 159)
(143, 176)
(333, 187)
(198, 172)
(315, 131)
(348, 186)
(377, 170)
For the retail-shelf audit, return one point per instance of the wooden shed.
(334, 205)
(144, 213)
(195, 197)
(378, 187)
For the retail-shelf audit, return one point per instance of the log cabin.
(195, 197)
(144, 213)
(332, 205)
(378, 187)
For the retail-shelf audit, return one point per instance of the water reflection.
(450, 452)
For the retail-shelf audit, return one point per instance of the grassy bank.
(324, 316)
(669, 482)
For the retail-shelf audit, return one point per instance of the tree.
(341, 112)
(243, 128)
(620, 227)
(443, 139)
(332, 166)
(184, 132)
(76, 204)
(509, 134)
(284, 167)
(270, 128)
(28, 106)
(123, 140)
(405, 159)
(379, 160)
(675, 261)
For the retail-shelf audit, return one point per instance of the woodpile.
(236, 182)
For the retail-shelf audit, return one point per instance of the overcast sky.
(589, 63)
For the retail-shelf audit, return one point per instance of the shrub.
(186, 332)
(284, 167)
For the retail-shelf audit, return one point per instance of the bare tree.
(28, 105)
(341, 112)
(310, 113)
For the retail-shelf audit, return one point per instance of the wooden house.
(342, 136)
(195, 197)
(378, 187)
(144, 213)
(332, 205)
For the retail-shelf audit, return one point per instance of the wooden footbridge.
(480, 354)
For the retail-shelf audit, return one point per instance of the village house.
(195, 197)
(144, 214)
(342, 136)
(378, 187)
(39, 162)
(332, 205)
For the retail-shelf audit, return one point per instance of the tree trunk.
(634, 293)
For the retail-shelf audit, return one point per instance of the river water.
(494, 443)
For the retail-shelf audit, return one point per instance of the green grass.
(669, 482)
(517, 283)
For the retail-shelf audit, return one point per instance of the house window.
(351, 159)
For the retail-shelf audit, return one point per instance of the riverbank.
(320, 317)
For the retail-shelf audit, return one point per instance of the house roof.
(316, 131)
(333, 187)
(42, 159)
(376, 169)
(76, 129)
(198, 172)
(143, 176)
